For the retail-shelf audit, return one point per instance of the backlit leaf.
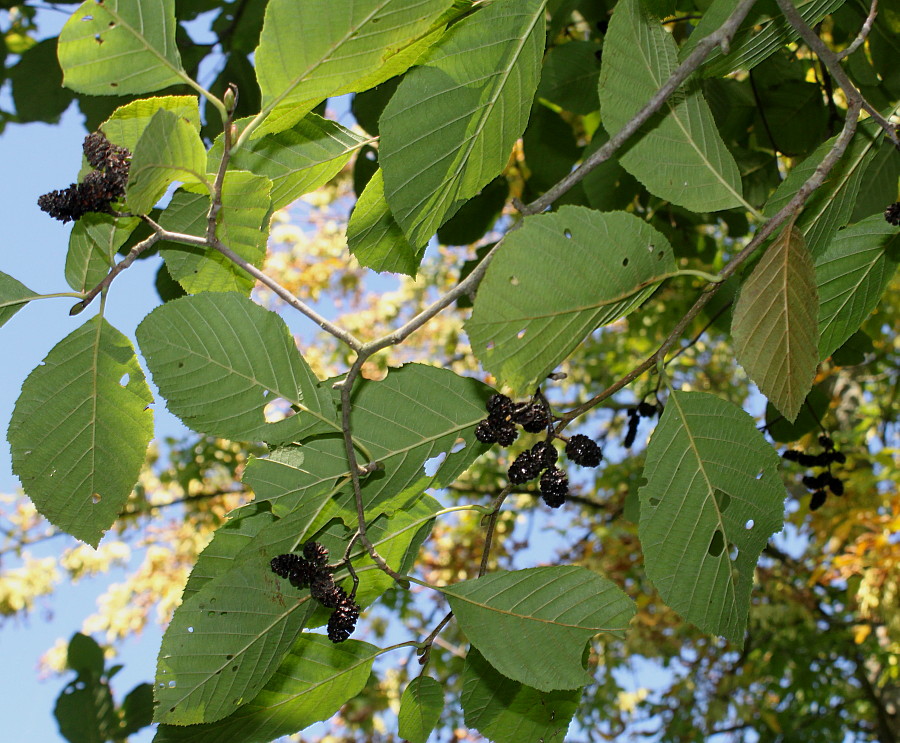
(434, 162)
(712, 500)
(119, 47)
(127, 123)
(93, 243)
(420, 709)
(14, 295)
(775, 323)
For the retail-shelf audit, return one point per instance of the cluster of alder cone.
(824, 478)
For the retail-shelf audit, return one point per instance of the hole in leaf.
(98, 39)
(95, 498)
(723, 499)
(172, 684)
(180, 364)
(650, 248)
(759, 475)
(514, 280)
(750, 524)
(567, 234)
(229, 657)
(432, 465)
(654, 502)
(126, 377)
(234, 668)
(114, 85)
(87, 18)
(659, 255)
(190, 629)
(733, 552)
(277, 410)
(489, 346)
(171, 709)
(716, 544)
(79, 685)
(624, 262)
(521, 334)
(210, 613)
(370, 155)
(458, 446)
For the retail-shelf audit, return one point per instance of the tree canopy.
(519, 344)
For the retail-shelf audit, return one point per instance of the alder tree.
(643, 252)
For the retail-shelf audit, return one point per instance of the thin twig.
(425, 648)
(792, 207)
(215, 205)
(720, 37)
(830, 60)
(863, 33)
(143, 245)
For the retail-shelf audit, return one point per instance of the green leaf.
(880, 178)
(37, 89)
(297, 161)
(127, 123)
(526, 322)
(476, 216)
(85, 711)
(762, 33)
(420, 709)
(170, 149)
(506, 711)
(14, 295)
(532, 625)
(434, 162)
(830, 206)
(774, 323)
(712, 500)
(228, 541)
(315, 678)
(678, 155)
(813, 410)
(84, 655)
(445, 407)
(344, 41)
(137, 710)
(225, 643)
(219, 359)
(375, 238)
(852, 274)
(80, 430)
(93, 243)
(117, 47)
(570, 77)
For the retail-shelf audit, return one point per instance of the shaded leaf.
(852, 274)
(813, 410)
(84, 655)
(678, 154)
(774, 323)
(315, 678)
(80, 430)
(375, 238)
(526, 321)
(37, 87)
(117, 47)
(169, 150)
(420, 709)
(712, 500)
(570, 76)
(433, 162)
(219, 359)
(137, 710)
(532, 625)
(506, 711)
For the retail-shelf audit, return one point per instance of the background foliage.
(722, 257)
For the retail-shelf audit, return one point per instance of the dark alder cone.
(342, 621)
(283, 564)
(303, 573)
(545, 453)
(792, 455)
(525, 467)
(814, 482)
(835, 485)
(507, 434)
(826, 442)
(646, 410)
(554, 487)
(817, 500)
(836, 456)
(630, 435)
(485, 432)
(315, 553)
(583, 450)
(499, 405)
(533, 417)
(326, 592)
(892, 214)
